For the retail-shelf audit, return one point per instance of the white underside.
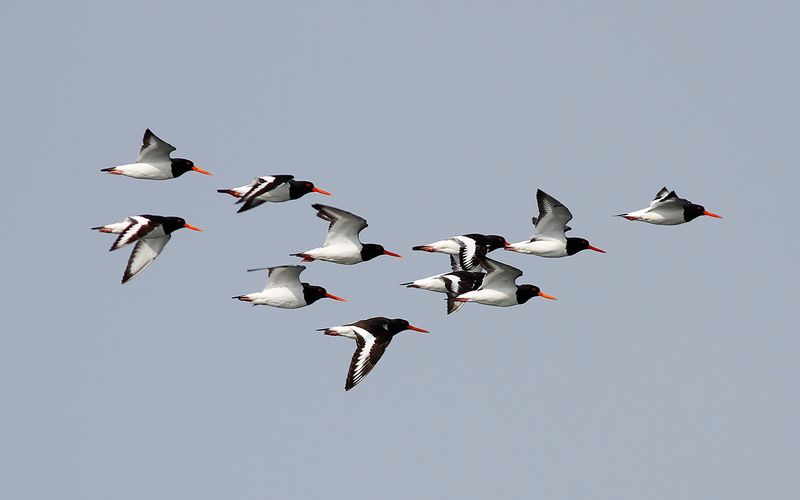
(542, 248)
(282, 297)
(339, 254)
(150, 171)
(490, 298)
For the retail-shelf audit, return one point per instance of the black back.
(371, 250)
(170, 224)
(312, 293)
(575, 245)
(298, 189)
(692, 211)
(526, 293)
(488, 241)
(382, 328)
(180, 166)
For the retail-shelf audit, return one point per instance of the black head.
(298, 189)
(371, 250)
(171, 224)
(181, 165)
(526, 292)
(493, 242)
(312, 293)
(575, 245)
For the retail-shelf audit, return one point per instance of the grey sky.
(667, 369)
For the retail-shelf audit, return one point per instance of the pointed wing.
(368, 351)
(259, 187)
(666, 200)
(452, 304)
(501, 277)
(138, 227)
(659, 195)
(459, 282)
(284, 276)
(553, 217)
(470, 253)
(344, 227)
(154, 150)
(144, 253)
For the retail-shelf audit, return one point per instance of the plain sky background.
(667, 370)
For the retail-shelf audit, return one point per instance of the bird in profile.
(342, 244)
(499, 287)
(667, 209)
(372, 337)
(154, 162)
(271, 188)
(469, 249)
(285, 290)
(453, 284)
(549, 238)
(150, 232)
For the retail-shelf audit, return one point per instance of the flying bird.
(154, 162)
(150, 232)
(469, 249)
(272, 188)
(667, 209)
(500, 288)
(548, 238)
(372, 337)
(453, 284)
(285, 290)
(342, 244)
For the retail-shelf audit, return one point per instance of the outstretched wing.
(138, 227)
(144, 253)
(154, 150)
(501, 277)
(470, 253)
(553, 217)
(344, 226)
(368, 351)
(283, 276)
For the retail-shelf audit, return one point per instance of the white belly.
(277, 195)
(490, 298)
(432, 283)
(543, 248)
(146, 171)
(285, 298)
(338, 254)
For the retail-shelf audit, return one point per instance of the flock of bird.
(473, 276)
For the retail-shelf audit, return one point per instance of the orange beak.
(387, 252)
(196, 169)
(541, 294)
(417, 329)
(321, 191)
(334, 297)
(712, 215)
(590, 247)
(193, 228)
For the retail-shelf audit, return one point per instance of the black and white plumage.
(667, 209)
(285, 290)
(469, 249)
(150, 232)
(271, 188)
(154, 162)
(372, 337)
(342, 244)
(453, 284)
(499, 287)
(549, 238)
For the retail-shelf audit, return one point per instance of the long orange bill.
(387, 252)
(193, 228)
(321, 191)
(712, 215)
(417, 329)
(334, 297)
(196, 169)
(590, 247)
(541, 294)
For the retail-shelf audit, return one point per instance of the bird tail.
(230, 192)
(243, 298)
(410, 284)
(303, 256)
(424, 248)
